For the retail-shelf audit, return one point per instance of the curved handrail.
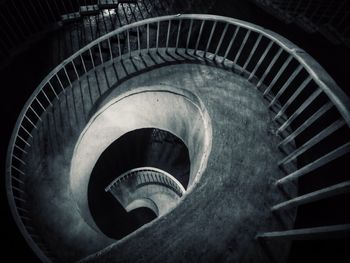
(322, 78)
(323, 81)
(136, 171)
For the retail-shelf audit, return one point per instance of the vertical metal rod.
(140, 11)
(325, 108)
(92, 58)
(26, 131)
(125, 14)
(19, 170)
(147, 37)
(293, 97)
(38, 101)
(14, 177)
(37, 115)
(132, 15)
(67, 76)
(178, 35)
(82, 61)
(210, 38)
(75, 70)
(118, 17)
(228, 49)
(119, 47)
(286, 85)
(252, 52)
(272, 63)
(47, 98)
(313, 141)
(128, 38)
(323, 193)
(145, 5)
(19, 148)
(104, 22)
(49, 82)
(60, 82)
(301, 108)
(14, 187)
(157, 40)
(91, 28)
(325, 159)
(308, 233)
(110, 48)
(241, 47)
(278, 75)
(99, 50)
(223, 34)
(29, 120)
(168, 35)
(189, 35)
(138, 40)
(199, 37)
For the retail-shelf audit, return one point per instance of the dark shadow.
(141, 216)
(147, 147)
(267, 250)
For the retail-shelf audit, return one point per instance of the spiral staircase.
(241, 132)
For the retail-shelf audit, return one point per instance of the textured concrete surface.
(217, 220)
(161, 107)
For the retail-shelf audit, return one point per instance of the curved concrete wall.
(143, 202)
(167, 108)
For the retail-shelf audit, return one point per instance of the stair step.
(70, 17)
(87, 10)
(107, 4)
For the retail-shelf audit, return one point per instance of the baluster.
(228, 49)
(331, 156)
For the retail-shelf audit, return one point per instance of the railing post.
(334, 231)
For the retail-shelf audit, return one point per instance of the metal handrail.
(325, 84)
(34, 19)
(319, 75)
(178, 187)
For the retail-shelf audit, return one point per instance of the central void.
(148, 147)
(158, 138)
